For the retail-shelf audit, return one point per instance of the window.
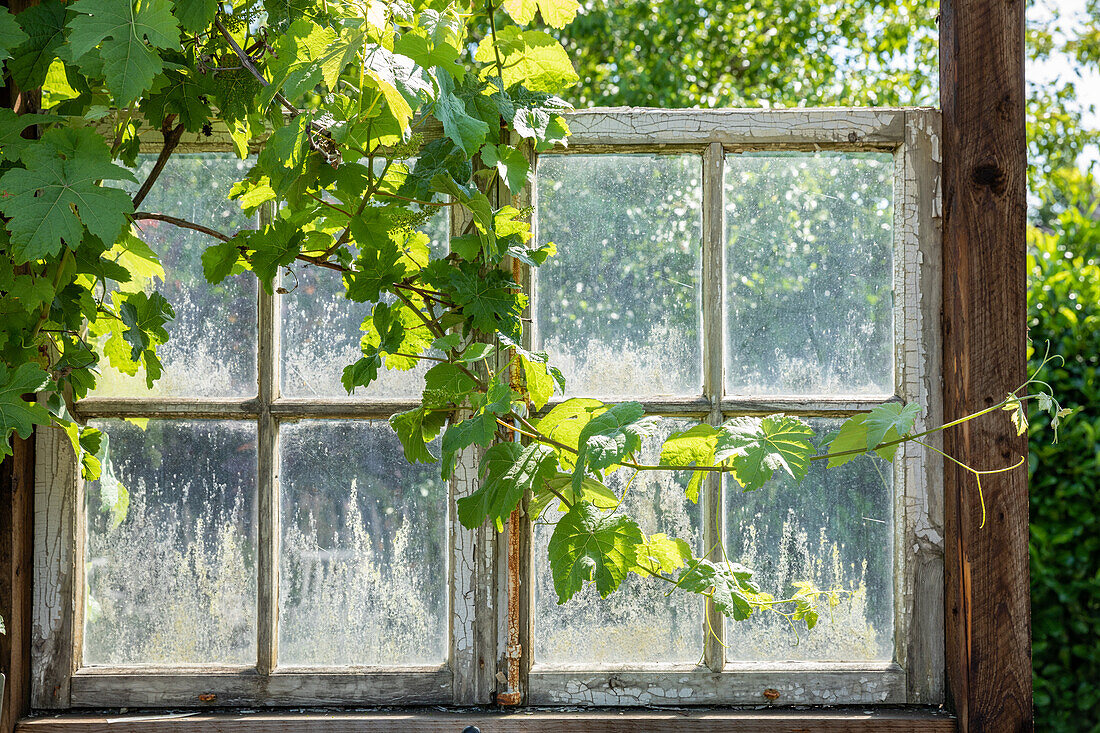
(754, 262)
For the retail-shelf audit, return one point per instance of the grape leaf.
(610, 437)
(195, 16)
(144, 317)
(547, 492)
(507, 470)
(44, 26)
(555, 13)
(889, 422)
(467, 131)
(11, 35)
(695, 445)
(510, 163)
(127, 33)
(589, 546)
(479, 428)
(564, 424)
(16, 414)
(661, 554)
(218, 261)
(729, 586)
(51, 200)
(416, 428)
(761, 446)
(12, 125)
(532, 58)
(447, 384)
(852, 436)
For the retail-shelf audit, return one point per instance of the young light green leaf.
(695, 445)
(508, 469)
(852, 436)
(729, 586)
(564, 424)
(890, 422)
(662, 554)
(589, 546)
(1015, 406)
(761, 446)
(16, 414)
(532, 58)
(555, 13)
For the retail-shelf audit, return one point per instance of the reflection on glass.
(171, 578)
(321, 332)
(363, 570)
(618, 307)
(833, 530)
(809, 273)
(641, 622)
(201, 359)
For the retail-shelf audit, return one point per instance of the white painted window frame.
(479, 637)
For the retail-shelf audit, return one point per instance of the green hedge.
(1064, 304)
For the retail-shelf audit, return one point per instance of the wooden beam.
(988, 646)
(757, 721)
(16, 522)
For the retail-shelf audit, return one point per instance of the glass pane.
(201, 359)
(809, 273)
(833, 530)
(638, 623)
(618, 307)
(171, 579)
(321, 332)
(364, 551)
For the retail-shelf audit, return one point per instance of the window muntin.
(476, 638)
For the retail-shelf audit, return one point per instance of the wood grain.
(680, 721)
(16, 539)
(984, 329)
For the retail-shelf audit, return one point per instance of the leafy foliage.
(1064, 305)
(336, 97)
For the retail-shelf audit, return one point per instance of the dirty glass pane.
(171, 545)
(364, 549)
(618, 307)
(211, 350)
(320, 332)
(809, 264)
(833, 530)
(637, 624)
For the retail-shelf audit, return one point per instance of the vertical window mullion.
(713, 356)
(267, 586)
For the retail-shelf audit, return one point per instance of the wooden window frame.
(478, 563)
(987, 619)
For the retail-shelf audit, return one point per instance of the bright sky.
(1072, 13)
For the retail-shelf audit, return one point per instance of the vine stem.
(182, 223)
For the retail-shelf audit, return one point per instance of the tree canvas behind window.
(401, 220)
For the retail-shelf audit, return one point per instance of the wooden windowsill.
(893, 720)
